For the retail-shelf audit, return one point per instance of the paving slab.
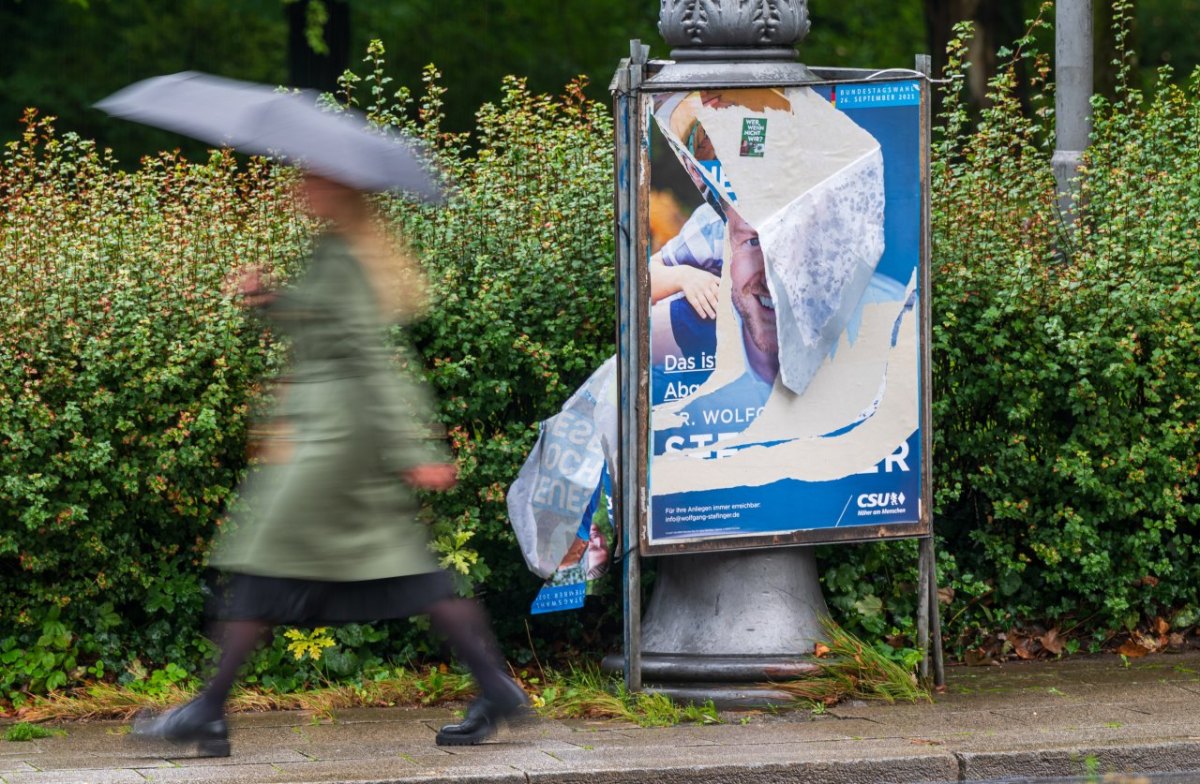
(369, 771)
(1152, 757)
(802, 731)
(242, 774)
(93, 761)
(14, 765)
(109, 776)
(848, 770)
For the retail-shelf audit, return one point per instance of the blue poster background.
(891, 112)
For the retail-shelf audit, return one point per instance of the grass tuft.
(852, 669)
(23, 731)
(434, 686)
(584, 692)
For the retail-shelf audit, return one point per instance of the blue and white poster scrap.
(560, 504)
(586, 560)
(785, 314)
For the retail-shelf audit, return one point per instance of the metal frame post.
(628, 499)
(935, 615)
(630, 89)
(929, 617)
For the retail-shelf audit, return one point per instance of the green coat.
(336, 508)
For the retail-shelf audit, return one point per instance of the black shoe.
(484, 716)
(189, 723)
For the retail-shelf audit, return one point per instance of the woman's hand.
(433, 476)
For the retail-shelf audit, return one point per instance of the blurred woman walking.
(326, 532)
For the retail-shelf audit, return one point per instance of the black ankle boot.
(484, 716)
(190, 723)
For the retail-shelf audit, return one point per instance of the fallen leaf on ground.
(978, 657)
(820, 650)
(1133, 648)
(1052, 642)
(1023, 647)
(1150, 642)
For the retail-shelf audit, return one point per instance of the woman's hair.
(400, 284)
(393, 271)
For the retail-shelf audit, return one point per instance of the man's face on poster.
(751, 297)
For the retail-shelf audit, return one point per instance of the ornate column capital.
(733, 29)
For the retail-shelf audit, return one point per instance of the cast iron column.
(733, 30)
(718, 624)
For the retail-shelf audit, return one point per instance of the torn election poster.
(784, 329)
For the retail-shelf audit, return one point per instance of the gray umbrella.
(260, 120)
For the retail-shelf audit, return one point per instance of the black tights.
(461, 621)
(238, 639)
(465, 625)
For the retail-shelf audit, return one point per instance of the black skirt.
(287, 601)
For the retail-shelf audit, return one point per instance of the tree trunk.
(939, 22)
(997, 23)
(308, 68)
(1106, 49)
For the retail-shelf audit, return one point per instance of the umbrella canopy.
(260, 120)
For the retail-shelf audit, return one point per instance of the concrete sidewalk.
(1018, 721)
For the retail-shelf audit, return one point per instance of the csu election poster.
(785, 235)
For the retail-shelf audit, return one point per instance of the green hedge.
(127, 383)
(522, 278)
(1066, 457)
(1067, 401)
(1065, 374)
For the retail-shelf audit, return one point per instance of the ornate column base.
(724, 626)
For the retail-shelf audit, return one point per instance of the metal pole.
(1074, 77)
(628, 500)
(929, 632)
(923, 607)
(935, 616)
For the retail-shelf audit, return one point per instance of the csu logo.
(877, 500)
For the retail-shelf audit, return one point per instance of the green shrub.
(1067, 406)
(520, 261)
(1065, 376)
(1064, 368)
(127, 383)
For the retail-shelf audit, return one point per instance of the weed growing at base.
(23, 731)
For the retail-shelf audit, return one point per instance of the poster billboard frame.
(635, 326)
(631, 224)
